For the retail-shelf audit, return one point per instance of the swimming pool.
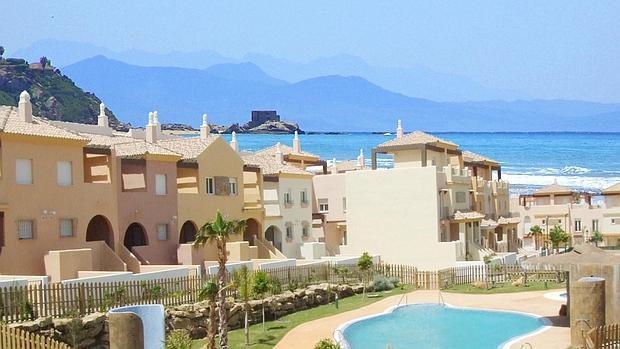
(434, 326)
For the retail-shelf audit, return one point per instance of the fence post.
(82, 299)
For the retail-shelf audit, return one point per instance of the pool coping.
(556, 296)
(547, 324)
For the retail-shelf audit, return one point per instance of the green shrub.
(178, 339)
(395, 281)
(327, 344)
(382, 283)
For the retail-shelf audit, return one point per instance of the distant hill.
(53, 95)
(327, 103)
(416, 81)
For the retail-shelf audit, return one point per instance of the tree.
(1, 51)
(242, 282)
(557, 235)
(597, 237)
(209, 292)
(260, 287)
(218, 231)
(536, 232)
(342, 271)
(44, 62)
(365, 265)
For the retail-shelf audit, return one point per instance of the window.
(614, 221)
(460, 197)
(344, 204)
(64, 173)
(287, 198)
(162, 231)
(303, 197)
(577, 224)
(23, 171)
(210, 186)
(66, 227)
(323, 205)
(232, 186)
(25, 229)
(305, 231)
(289, 231)
(160, 184)
(594, 225)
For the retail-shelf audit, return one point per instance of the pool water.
(432, 326)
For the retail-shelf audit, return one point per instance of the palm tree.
(260, 286)
(1, 51)
(557, 235)
(209, 292)
(536, 232)
(365, 264)
(242, 282)
(218, 231)
(44, 62)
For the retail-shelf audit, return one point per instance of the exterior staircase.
(267, 249)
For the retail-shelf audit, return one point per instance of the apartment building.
(580, 214)
(426, 210)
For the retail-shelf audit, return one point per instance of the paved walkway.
(558, 336)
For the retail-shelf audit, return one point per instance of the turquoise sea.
(589, 161)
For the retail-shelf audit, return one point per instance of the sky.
(548, 49)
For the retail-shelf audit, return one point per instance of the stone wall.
(92, 331)
(195, 317)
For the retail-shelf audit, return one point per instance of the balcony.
(457, 175)
(500, 187)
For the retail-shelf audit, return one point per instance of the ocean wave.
(576, 182)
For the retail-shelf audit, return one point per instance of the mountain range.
(229, 91)
(418, 80)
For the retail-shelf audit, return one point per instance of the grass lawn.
(506, 287)
(275, 330)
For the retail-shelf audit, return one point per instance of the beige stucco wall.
(149, 210)
(395, 213)
(80, 201)
(333, 188)
(219, 159)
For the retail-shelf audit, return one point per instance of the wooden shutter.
(221, 186)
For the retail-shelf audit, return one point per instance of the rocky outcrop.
(195, 317)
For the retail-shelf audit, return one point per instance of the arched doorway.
(188, 232)
(135, 236)
(99, 229)
(252, 228)
(274, 235)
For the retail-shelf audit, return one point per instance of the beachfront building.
(287, 200)
(578, 213)
(424, 211)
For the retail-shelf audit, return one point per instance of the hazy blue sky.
(550, 49)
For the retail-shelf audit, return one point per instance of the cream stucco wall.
(395, 213)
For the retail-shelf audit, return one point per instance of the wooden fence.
(12, 338)
(604, 337)
(57, 300)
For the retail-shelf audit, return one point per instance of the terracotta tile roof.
(269, 165)
(458, 215)
(614, 189)
(417, 137)
(286, 150)
(488, 223)
(509, 220)
(126, 146)
(553, 188)
(345, 166)
(11, 123)
(189, 148)
(469, 156)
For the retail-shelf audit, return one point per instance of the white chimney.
(204, 128)
(24, 107)
(151, 129)
(279, 155)
(296, 145)
(399, 130)
(233, 141)
(156, 122)
(102, 119)
(334, 167)
(361, 161)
